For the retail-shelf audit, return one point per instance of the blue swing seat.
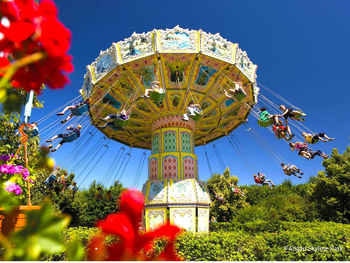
(51, 178)
(70, 137)
(32, 132)
(81, 110)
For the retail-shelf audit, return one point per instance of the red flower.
(47, 71)
(33, 29)
(124, 225)
(52, 34)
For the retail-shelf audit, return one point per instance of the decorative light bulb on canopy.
(191, 66)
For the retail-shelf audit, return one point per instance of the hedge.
(292, 241)
(275, 241)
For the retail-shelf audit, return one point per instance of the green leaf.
(75, 250)
(40, 235)
(7, 201)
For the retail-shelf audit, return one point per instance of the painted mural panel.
(87, 87)
(169, 141)
(216, 46)
(136, 46)
(243, 62)
(170, 166)
(175, 100)
(186, 146)
(153, 168)
(177, 70)
(188, 163)
(203, 219)
(182, 191)
(157, 192)
(155, 143)
(184, 218)
(177, 40)
(105, 62)
(202, 193)
(156, 217)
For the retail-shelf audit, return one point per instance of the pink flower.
(4, 168)
(18, 190)
(11, 169)
(25, 173)
(12, 187)
(17, 169)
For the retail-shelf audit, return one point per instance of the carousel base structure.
(184, 202)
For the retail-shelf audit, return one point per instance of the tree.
(227, 208)
(330, 192)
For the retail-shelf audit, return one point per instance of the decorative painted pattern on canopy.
(191, 65)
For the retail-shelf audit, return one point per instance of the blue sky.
(300, 47)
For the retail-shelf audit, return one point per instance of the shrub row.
(296, 241)
(259, 241)
(272, 226)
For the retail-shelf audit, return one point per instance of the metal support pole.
(28, 107)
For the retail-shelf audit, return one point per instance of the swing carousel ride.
(192, 66)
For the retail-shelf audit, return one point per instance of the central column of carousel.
(173, 191)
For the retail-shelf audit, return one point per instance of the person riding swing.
(52, 178)
(261, 179)
(155, 87)
(312, 139)
(72, 129)
(193, 109)
(291, 169)
(281, 131)
(236, 190)
(124, 115)
(86, 102)
(238, 91)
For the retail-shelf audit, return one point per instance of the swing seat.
(241, 95)
(32, 133)
(265, 123)
(298, 115)
(197, 116)
(52, 178)
(70, 137)
(280, 137)
(156, 96)
(120, 123)
(80, 110)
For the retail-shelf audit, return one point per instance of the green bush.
(279, 207)
(257, 241)
(266, 241)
